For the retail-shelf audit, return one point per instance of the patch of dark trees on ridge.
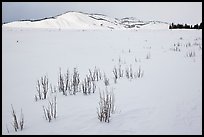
(186, 26)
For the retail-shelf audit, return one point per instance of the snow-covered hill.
(79, 20)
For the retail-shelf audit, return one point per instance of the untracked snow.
(166, 100)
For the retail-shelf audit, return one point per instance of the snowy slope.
(166, 100)
(79, 20)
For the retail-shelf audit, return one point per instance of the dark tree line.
(186, 26)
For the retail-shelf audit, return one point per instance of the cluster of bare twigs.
(17, 124)
(50, 112)
(106, 106)
(42, 88)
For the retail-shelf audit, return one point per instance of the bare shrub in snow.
(118, 73)
(91, 75)
(115, 73)
(176, 47)
(139, 73)
(85, 86)
(15, 124)
(106, 106)
(15, 120)
(69, 82)
(75, 81)
(188, 44)
(95, 75)
(36, 98)
(88, 86)
(106, 80)
(42, 88)
(53, 89)
(21, 120)
(50, 112)
(39, 91)
(190, 54)
(44, 83)
(148, 56)
(63, 82)
(129, 73)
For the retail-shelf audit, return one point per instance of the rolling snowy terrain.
(166, 99)
(80, 20)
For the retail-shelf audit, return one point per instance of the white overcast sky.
(177, 12)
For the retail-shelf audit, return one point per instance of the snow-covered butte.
(80, 20)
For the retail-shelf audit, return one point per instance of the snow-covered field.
(166, 100)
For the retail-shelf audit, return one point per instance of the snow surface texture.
(79, 20)
(166, 100)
